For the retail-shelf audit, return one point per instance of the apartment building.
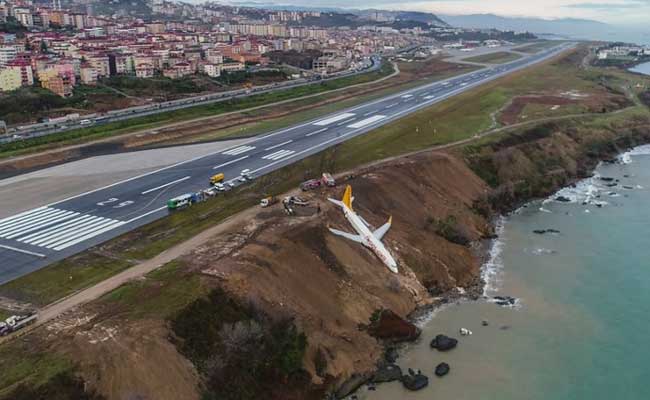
(10, 79)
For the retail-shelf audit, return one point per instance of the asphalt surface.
(35, 238)
(91, 120)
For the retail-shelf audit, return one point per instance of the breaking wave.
(626, 158)
(492, 268)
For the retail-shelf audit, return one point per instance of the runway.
(38, 237)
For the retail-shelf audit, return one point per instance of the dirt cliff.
(331, 286)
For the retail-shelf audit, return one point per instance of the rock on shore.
(442, 369)
(443, 343)
(387, 373)
(390, 326)
(415, 381)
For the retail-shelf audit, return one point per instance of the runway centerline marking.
(165, 185)
(278, 145)
(229, 162)
(316, 132)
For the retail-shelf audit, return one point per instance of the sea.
(643, 68)
(580, 328)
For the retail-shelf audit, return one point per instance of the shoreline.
(492, 267)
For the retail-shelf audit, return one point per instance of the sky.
(617, 12)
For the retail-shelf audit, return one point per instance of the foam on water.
(626, 158)
(587, 192)
(491, 270)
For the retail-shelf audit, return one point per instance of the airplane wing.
(363, 220)
(346, 235)
(381, 231)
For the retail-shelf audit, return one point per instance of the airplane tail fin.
(347, 197)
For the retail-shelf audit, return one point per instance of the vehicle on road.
(182, 201)
(16, 322)
(328, 180)
(311, 184)
(245, 175)
(218, 178)
(268, 201)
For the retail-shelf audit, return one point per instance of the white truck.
(16, 322)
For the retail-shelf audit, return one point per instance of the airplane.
(371, 240)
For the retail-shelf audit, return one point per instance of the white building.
(7, 53)
(212, 70)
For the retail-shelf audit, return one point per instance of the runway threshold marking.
(278, 154)
(367, 121)
(165, 185)
(333, 119)
(238, 150)
(230, 162)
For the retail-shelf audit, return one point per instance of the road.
(85, 121)
(36, 238)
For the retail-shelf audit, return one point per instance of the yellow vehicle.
(216, 179)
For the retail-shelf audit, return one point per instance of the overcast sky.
(612, 11)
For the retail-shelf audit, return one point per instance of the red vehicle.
(310, 184)
(328, 180)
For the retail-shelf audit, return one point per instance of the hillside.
(575, 28)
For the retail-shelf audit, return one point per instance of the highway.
(90, 120)
(38, 237)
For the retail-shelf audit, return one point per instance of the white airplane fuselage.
(369, 240)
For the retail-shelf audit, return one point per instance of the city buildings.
(76, 44)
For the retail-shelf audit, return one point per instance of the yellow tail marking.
(347, 197)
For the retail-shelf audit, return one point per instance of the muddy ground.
(293, 266)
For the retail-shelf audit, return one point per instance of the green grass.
(494, 58)
(271, 124)
(536, 47)
(164, 292)
(455, 119)
(267, 125)
(63, 278)
(102, 131)
(22, 364)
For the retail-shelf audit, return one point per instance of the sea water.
(581, 327)
(643, 68)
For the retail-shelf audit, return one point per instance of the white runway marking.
(367, 121)
(229, 162)
(238, 150)
(391, 105)
(347, 121)
(333, 119)
(407, 96)
(53, 228)
(369, 113)
(89, 236)
(165, 185)
(278, 145)
(278, 155)
(316, 132)
(31, 253)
